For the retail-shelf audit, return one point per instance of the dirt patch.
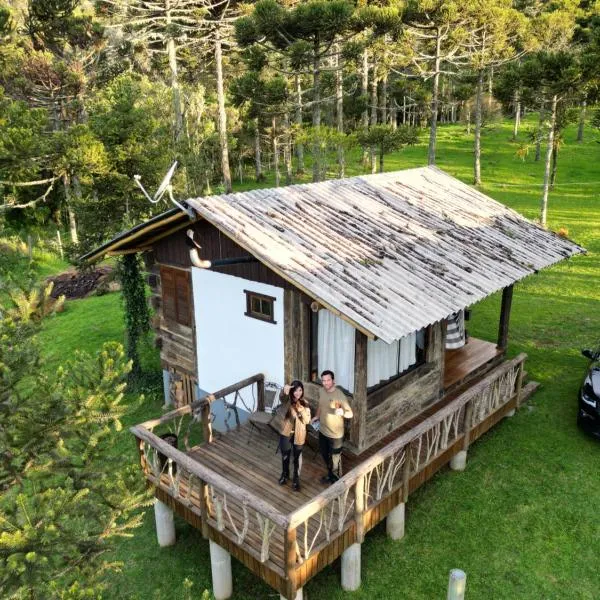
(76, 284)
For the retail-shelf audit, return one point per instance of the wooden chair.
(262, 420)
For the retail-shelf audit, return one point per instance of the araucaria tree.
(63, 493)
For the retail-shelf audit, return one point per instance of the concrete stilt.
(165, 524)
(456, 585)
(511, 413)
(459, 461)
(394, 523)
(351, 568)
(299, 596)
(220, 566)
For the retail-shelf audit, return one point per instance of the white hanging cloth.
(455, 330)
(384, 361)
(335, 347)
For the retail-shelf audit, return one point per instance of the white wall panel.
(231, 346)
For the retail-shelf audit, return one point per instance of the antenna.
(164, 187)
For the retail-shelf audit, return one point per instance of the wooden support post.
(507, 294)
(290, 563)
(206, 424)
(406, 472)
(203, 494)
(359, 404)
(459, 461)
(359, 508)
(519, 384)
(220, 566)
(260, 397)
(165, 524)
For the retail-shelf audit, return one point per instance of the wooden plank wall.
(393, 405)
(296, 336)
(174, 251)
(177, 342)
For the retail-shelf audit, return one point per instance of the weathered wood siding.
(174, 251)
(399, 401)
(296, 336)
(177, 342)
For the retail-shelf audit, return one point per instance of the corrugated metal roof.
(392, 252)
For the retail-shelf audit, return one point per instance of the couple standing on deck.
(332, 409)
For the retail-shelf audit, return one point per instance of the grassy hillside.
(522, 520)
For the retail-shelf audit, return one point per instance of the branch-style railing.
(251, 522)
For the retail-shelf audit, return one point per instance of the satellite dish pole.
(165, 187)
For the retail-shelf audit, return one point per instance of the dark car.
(588, 415)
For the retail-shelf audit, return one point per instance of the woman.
(293, 431)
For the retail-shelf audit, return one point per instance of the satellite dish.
(164, 187)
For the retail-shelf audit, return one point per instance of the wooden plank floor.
(460, 363)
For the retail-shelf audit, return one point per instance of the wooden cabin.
(369, 276)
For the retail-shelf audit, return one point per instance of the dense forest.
(92, 94)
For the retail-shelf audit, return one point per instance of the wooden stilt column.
(165, 524)
(220, 566)
(507, 294)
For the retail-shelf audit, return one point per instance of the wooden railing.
(250, 522)
(246, 519)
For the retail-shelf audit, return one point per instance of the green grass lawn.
(523, 519)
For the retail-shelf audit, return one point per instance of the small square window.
(260, 306)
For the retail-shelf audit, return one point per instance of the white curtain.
(335, 347)
(386, 360)
(382, 361)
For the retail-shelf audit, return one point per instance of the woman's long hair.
(296, 384)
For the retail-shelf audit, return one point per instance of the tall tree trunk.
(365, 94)
(222, 114)
(477, 174)
(70, 211)
(384, 100)
(373, 153)
(316, 112)
(517, 103)
(404, 110)
(257, 154)
(339, 108)
(287, 148)
(434, 102)
(394, 114)
(490, 88)
(299, 146)
(538, 138)
(581, 121)
(172, 55)
(554, 161)
(275, 153)
(549, 150)
(381, 158)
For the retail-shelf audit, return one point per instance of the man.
(332, 409)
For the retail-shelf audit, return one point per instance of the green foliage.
(62, 496)
(387, 139)
(137, 317)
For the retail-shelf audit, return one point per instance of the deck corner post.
(359, 508)
(507, 295)
(351, 568)
(220, 566)
(394, 523)
(459, 461)
(165, 524)
(260, 397)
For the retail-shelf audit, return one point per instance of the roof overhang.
(141, 237)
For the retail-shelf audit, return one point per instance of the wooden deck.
(466, 363)
(228, 488)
